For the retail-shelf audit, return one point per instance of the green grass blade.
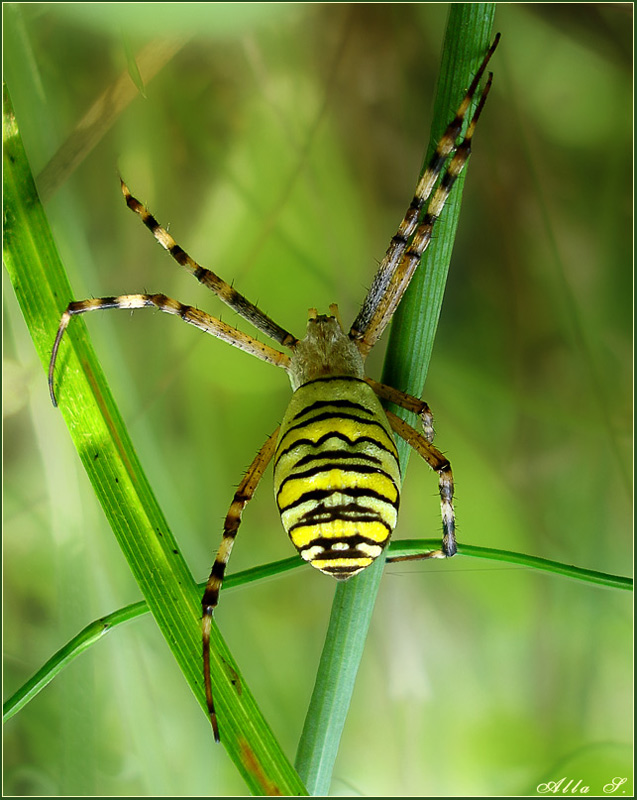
(403, 549)
(411, 549)
(107, 454)
(410, 346)
(94, 632)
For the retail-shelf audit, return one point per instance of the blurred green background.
(281, 145)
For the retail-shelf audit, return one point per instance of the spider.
(336, 475)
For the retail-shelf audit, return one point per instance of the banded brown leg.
(189, 314)
(210, 598)
(208, 278)
(408, 402)
(413, 237)
(441, 465)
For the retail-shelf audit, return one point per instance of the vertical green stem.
(410, 346)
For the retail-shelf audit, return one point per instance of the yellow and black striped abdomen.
(336, 475)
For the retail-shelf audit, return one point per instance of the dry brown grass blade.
(103, 113)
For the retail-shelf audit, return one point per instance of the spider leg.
(223, 290)
(189, 314)
(402, 257)
(407, 401)
(210, 598)
(441, 465)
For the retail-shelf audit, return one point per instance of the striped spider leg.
(193, 316)
(336, 475)
(413, 236)
(210, 599)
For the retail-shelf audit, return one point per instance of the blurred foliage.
(281, 145)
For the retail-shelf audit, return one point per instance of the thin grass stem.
(411, 342)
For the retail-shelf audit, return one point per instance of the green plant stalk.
(402, 549)
(107, 454)
(410, 346)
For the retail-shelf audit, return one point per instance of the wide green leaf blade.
(41, 287)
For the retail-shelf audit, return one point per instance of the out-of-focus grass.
(529, 382)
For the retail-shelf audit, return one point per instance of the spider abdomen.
(336, 475)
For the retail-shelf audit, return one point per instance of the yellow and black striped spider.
(336, 474)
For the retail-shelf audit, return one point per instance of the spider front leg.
(210, 599)
(224, 291)
(415, 231)
(441, 465)
(189, 314)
